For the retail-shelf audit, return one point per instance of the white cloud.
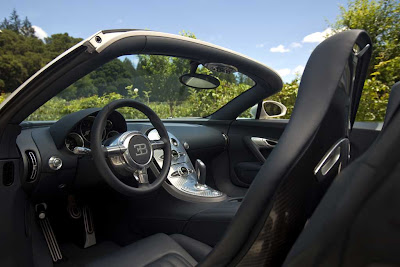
(298, 70)
(284, 72)
(39, 32)
(317, 37)
(260, 45)
(279, 49)
(119, 21)
(295, 45)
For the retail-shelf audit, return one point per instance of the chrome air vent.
(32, 166)
(8, 173)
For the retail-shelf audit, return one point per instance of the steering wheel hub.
(140, 150)
(131, 151)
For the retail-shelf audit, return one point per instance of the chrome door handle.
(264, 142)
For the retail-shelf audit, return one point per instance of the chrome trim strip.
(264, 142)
(34, 163)
(331, 157)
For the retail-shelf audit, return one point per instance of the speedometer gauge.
(73, 140)
(86, 128)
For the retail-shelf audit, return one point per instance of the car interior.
(96, 188)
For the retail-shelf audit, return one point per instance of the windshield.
(150, 79)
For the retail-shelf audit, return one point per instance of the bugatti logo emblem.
(141, 149)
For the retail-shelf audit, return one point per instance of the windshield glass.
(150, 79)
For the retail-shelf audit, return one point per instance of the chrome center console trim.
(181, 174)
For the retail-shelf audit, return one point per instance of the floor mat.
(76, 256)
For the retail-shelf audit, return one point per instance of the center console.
(185, 181)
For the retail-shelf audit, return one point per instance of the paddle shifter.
(201, 174)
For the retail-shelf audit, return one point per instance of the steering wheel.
(131, 152)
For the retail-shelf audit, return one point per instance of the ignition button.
(55, 163)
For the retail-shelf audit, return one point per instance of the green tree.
(27, 29)
(84, 87)
(287, 96)
(128, 67)
(5, 25)
(58, 43)
(20, 57)
(188, 34)
(113, 76)
(160, 75)
(147, 96)
(14, 24)
(381, 19)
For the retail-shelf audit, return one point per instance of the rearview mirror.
(269, 109)
(199, 81)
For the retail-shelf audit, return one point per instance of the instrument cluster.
(80, 135)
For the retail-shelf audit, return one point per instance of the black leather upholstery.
(393, 103)
(285, 191)
(196, 249)
(156, 250)
(357, 222)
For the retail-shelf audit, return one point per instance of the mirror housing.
(199, 81)
(269, 109)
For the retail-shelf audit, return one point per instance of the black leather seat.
(357, 223)
(157, 250)
(312, 150)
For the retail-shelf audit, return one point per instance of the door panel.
(251, 142)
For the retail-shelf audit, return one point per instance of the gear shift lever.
(201, 174)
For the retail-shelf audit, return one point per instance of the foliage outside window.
(150, 79)
(381, 19)
(372, 106)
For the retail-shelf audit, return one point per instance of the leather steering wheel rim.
(99, 153)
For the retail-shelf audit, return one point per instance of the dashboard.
(39, 142)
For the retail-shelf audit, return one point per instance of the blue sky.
(280, 34)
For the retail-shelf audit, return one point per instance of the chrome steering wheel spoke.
(142, 177)
(157, 144)
(115, 150)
